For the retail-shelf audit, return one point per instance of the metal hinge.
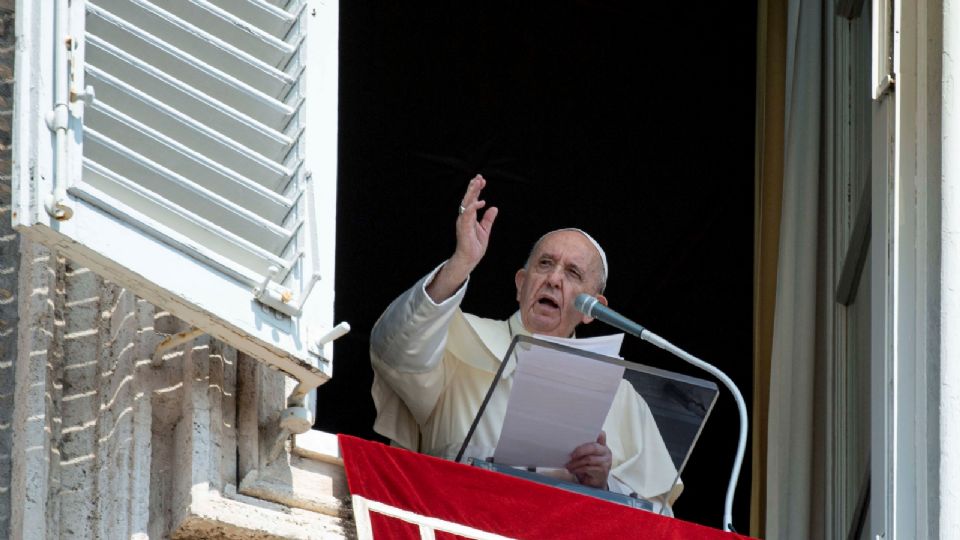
(885, 87)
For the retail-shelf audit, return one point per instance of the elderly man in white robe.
(433, 364)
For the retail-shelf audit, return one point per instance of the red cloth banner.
(490, 501)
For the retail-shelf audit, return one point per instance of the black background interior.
(632, 120)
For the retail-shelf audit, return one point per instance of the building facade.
(119, 420)
(856, 281)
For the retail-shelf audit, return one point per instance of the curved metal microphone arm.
(650, 337)
(588, 305)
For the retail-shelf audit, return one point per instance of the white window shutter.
(202, 173)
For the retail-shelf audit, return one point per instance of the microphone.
(591, 307)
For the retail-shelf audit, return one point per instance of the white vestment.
(433, 365)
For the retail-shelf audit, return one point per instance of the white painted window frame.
(847, 205)
(904, 275)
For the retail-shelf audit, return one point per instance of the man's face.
(564, 265)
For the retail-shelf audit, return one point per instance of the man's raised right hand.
(473, 236)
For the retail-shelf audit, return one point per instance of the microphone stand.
(650, 337)
(586, 304)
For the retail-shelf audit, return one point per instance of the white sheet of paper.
(605, 345)
(559, 401)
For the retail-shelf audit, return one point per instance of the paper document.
(559, 401)
(605, 345)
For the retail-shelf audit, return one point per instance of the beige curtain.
(771, 77)
(794, 464)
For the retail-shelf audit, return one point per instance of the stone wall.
(94, 427)
(112, 440)
(9, 264)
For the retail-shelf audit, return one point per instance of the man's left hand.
(591, 462)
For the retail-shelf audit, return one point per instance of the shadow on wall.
(112, 420)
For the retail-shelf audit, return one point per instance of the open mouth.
(548, 303)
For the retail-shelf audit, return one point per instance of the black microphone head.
(584, 303)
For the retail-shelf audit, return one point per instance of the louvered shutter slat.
(193, 103)
(203, 46)
(108, 190)
(170, 152)
(191, 132)
(189, 70)
(228, 217)
(268, 17)
(265, 35)
(183, 191)
(291, 5)
(167, 153)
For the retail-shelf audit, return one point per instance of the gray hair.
(604, 272)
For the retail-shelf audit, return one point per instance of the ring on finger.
(461, 210)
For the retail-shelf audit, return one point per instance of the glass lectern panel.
(679, 404)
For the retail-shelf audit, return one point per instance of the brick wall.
(9, 263)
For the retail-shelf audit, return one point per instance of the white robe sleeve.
(406, 351)
(642, 463)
